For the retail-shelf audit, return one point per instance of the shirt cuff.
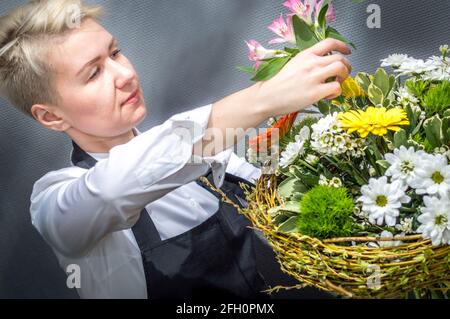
(191, 127)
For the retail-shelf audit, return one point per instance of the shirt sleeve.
(239, 166)
(74, 208)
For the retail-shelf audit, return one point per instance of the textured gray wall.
(186, 52)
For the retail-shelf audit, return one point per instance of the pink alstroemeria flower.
(331, 13)
(303, 9)
(284, 29)
(257, 53)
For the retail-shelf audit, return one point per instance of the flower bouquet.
(359, 202)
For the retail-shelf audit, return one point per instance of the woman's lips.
(133, 99)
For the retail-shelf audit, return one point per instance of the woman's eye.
(97, 71)
(116, 53)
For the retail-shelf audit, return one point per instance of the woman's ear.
(45, 115)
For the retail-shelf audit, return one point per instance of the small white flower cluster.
(406, 225)
(427, 175)
(334, 182)
(433, 69)
(406, 98)
(295, 148)
(329, 138)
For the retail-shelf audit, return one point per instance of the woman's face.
(94, 80)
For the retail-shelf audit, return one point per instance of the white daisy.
(296, 148)
(394, 60)
(413, 66)
(403, 163)
(382, 200)
(435, 220)
(432, 175)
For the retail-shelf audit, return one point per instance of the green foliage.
(379, 87)
(333, 33)
(325, 212)
(270, 68)
(437, 130)
(304, 34)
(437, 99)
(295, 130)
(417, 87)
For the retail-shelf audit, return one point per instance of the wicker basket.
(353, 271)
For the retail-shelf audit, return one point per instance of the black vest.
(213, 260)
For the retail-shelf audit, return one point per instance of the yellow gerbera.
(375, 120)
(351, 89)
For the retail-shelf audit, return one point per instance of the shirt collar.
(100, 156)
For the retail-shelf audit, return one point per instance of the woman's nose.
(124, 75)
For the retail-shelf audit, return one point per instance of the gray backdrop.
(186, 53)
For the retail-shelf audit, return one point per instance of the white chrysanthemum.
(435, 220)
(439, 69)
(296, 148)
(324, 125)
(312, 159)
(413, 66)
(432, 175)
(382, 200)
(405, 98)
(394, 60)
(404, 163)
(437, 75)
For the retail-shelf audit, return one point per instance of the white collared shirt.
(86, 215)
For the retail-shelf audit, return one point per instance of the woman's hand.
(302, 82)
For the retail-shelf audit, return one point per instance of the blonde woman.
(131, 211)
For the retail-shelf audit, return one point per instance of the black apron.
(214, 260)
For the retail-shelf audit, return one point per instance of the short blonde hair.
(26, 33)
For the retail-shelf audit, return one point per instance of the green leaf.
(322, 16)
(413, 116)
(289, 226)
(333, 33)
(400, 138)
(307, 179)
(375, 95)
(270, 69)
(324, 107)
(304, 35)
(382, 81)
(290, 186)
(433, 131)
(286, 187)
(384, 164)
(246, 69)
(445, 129)
(292, 51)
(280, 218)
(363, 81)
